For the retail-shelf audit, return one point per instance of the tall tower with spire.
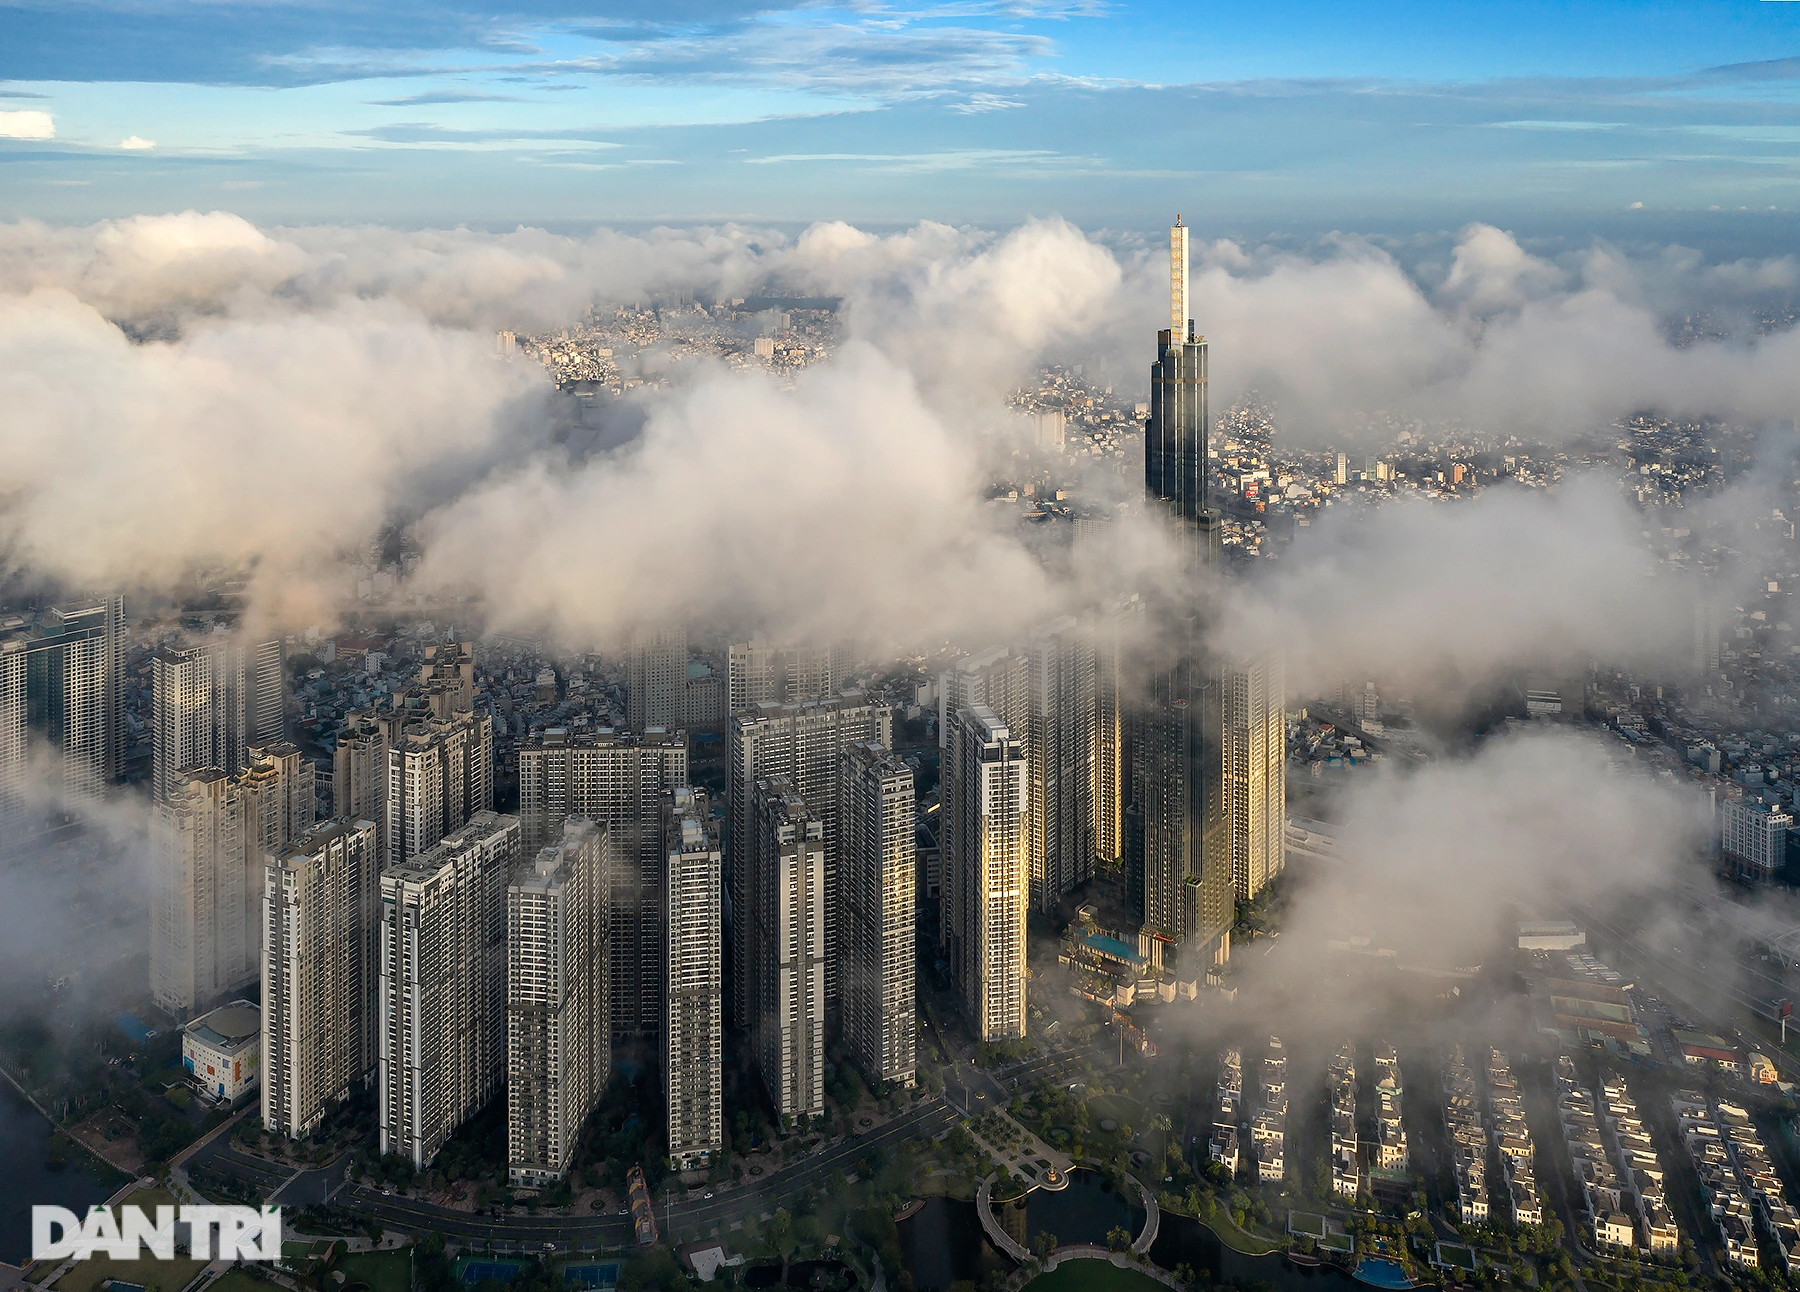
(1180, 853)
(1175, 467)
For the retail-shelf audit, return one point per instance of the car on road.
(707, 1194)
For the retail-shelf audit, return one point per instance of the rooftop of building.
(229, 1027)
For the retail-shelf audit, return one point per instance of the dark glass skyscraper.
(1181, 833)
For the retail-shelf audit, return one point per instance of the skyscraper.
(62, 684)
(1179, 842)
(200, 891)
(212, 701)
(209, 843)
(805, 743)
(657, 677)
(1255, 764)
(1048, 692)
(440, 773)
(360, 765)
(1175, 466)
(879, 872)
(280, 802)
(617, 780)
(693, 1026)
(761, 671)
(787, 948)
(985, 828)
(558, 1046)
(318, 973)
(441, 1026)
(1060, 732)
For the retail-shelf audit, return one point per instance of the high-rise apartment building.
(212, 702)
(1753, 836)
(360, 764)
(879, 873)
(1184, 862)
(1060, 743)
(984, 834)
(693, 1026)
(447, 679)
(761, 671)
(440, 773)
(786, 931)
(805, 743)
(209, 843)
(200, 893)
(280, 802)
(998, 677)
(558, 1046)
(1255, 758)
(441, 1022)
(1706, 638)
(656, 681)
(318, 973)
(61, 684)
(618, 780)
(1050, 694)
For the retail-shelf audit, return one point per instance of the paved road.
(689, 1216)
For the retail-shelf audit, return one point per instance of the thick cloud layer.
(1444, 598)
(293, 390)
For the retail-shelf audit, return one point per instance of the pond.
(944, 1243)
(1183, 1240)
(24, 1135)
(1082, 1213)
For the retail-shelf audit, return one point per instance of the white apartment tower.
(693, 1026)
(318, 973)
(984, 836)
(441, 1021)
(440, 773)
(212, 703)
(617, 780)
(880, 883)
(61, 686)
(209, 843)
(1753, 836)
(656, 681)
(805, 743)
(201, 890)
(360, 764)
(787, 942)
(558, 1047)
(1255, 758)
(760, 671)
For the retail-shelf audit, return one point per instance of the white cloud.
(134, 143)
(29, 124)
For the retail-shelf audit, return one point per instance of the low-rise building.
(220, 1050)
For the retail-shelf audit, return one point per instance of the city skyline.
(905, 647)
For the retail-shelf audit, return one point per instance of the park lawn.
(1306, 1222)
(167, 1276)
(1092, 1276)
(382, 1271)
(148, 1272)
(237, 1280)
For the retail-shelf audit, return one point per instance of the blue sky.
(1243, 116)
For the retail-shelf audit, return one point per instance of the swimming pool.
(1379, 1271)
